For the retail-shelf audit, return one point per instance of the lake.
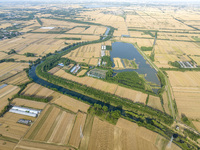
(128, 51)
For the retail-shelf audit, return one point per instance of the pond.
(128, 51)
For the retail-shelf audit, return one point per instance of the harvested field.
(87, 132)
(188, 104)
(93, 61)
(124, 135)
(197, 125)
(54, 70)
(186, 88)
(118, 63)
(37, 90)
(155, 103)
(76, 30)
(85, 53)
(62, 128)
(9, 126)
(75, 135)
(133, 95)
(5, 93)
(18, 79)
(102, 136)
(28, 145)
(5, 145)
(68, 67)
(166, 103)
(196, 59)
(38, 123)
(71, 103)
(46, 125)
(28, 103)
(11, 68)
(184, 79)
(82, 72)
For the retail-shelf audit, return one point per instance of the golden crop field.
(9, 126)
(71, 103)
(39, 44)
(155, 103)
(7, 145)
(196, 59)
(57, 126)
(93, 61)
(76, 30)
(5, 93)
(118, 63)
(37, 90)
(124, 135)
(82, 72)
(8, 69)
(186, 88)
(133, 95)
(28, 145)
(140, 42)
(5, 25)
(18, 79)
(28, 103)
(166, 51)
(54, 70)
(197, 125)
(75, 138)
(85, 53)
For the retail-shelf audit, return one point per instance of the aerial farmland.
(83, 75)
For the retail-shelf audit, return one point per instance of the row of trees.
(104, 113)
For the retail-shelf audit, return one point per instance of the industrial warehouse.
(25, 111)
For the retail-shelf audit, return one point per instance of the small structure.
(61, 64)
(24, 121)
(123, 35)
(185, 64)
(47, 28)
(99, 62)
(75, 69)
(103, 50)
(25, 111)
(97, 73)
(2, 86)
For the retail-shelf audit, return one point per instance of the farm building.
(103, 47)
(25, 111)
(24, 121)
(2, 86)
(61, 64)
(75, 69)
(97, 73)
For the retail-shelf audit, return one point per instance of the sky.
(82, 1)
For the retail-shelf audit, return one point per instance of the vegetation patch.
(104, 113)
